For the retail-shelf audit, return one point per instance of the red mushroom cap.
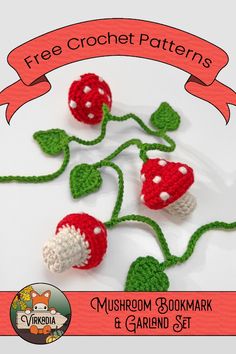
(164, 182)
(87, 96)
(95, 234)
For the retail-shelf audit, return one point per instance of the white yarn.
(162, 162)
(73, 104)
(183, 206)
(86, 89)
(164, 196)
(183, 170)
(101, 91)
(88, 104)
(157, 179)
(97, 230)
(68, 248)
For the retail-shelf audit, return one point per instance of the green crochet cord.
(119, 199)
(144, 147)
(151, 279)
(146, 273)
(56, 141)
(216, 225)
(42, 178)
(144, 219)
(171, 260)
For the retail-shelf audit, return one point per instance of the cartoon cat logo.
(40, 303)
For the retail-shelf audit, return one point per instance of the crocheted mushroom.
(80, 242)
(165, 185)
(87, 95)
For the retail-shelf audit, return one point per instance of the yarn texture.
(164, 182)
(52, 142)
(145, 274)
(87, 96)
(80, 240)
(84, 179)
(165, 118)
(95, 234)
(183, 206)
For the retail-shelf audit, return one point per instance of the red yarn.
(87, 96)
(97, 242)
(169, 179)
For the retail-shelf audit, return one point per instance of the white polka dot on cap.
(164, 196)
(101, 91)
(86, 89)
(162, 162)
(73, 104)
(183, 170)
(88, 104)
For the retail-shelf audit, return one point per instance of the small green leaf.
(84, 179)
(52, 141)
(165, 118)
(145, 274)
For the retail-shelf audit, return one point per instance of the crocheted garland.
(80, 240)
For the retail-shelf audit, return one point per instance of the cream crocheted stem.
(183, 206)
(68, 248)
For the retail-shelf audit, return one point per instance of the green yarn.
(151, 223)
(52, 141)
(107, 116)
(56, 141)
(139, 279)
(124, 146)
(120, 194)
(216, 225)
(84, 179)
(96, 141)
(165, 118)
(133, 280)
(145, 274)
(42, 178)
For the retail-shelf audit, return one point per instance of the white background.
(29, 213)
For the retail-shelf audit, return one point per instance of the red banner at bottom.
(124, 313)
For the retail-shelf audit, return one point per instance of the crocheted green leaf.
(165, 118)
(145, 274)
(52, 141)
(84, 179)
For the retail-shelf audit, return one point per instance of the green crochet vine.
(146, 273)
(56, 141)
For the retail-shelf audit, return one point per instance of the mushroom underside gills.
(183, 206)
(64, 251)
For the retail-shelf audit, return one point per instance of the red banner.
(124, 313)
(118, 37)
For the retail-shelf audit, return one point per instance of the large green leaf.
(52, 141)
(165, 118)
(145, 274)
(84, 179)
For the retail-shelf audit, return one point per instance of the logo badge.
(40, 313)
